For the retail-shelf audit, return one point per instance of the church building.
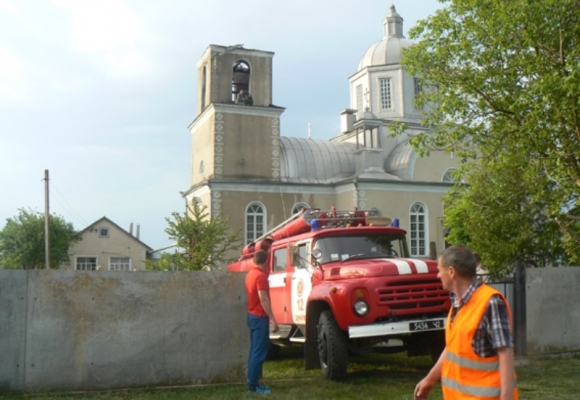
(243, 167)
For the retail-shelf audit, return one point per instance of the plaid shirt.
(494, 330)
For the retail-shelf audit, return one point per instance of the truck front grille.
(414, 297)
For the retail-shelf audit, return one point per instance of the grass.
(371, 376)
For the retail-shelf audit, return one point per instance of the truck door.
(278, 280)
(301, 283)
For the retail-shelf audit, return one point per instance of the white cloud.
(10, 65)
(10, 75)
(6, 5)
(102, 25)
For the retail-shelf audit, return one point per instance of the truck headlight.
(361, 308)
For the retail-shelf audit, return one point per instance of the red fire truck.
(343, 281)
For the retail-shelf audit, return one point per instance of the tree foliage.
(202, 242)
(504, 77)
(22, 241)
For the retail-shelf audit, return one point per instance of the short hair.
(461, 258)
(260, 257)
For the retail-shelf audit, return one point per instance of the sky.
(101, 92)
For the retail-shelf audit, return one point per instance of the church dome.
(388, 50)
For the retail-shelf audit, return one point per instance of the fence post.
(520, 309)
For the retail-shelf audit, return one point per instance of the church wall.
(278, 205)
(247, 147)
(202, 149)
(432, 168)
(397, 204)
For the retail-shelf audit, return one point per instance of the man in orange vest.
(478, 360)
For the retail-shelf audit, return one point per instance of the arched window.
(255, 221)
(240, 78)
(448, 175)
(201, 168)
(296, 208)
(419, 230)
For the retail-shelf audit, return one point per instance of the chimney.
(131, 229)
(347, 119)
(138, 229)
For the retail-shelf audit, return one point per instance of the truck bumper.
(397, 328)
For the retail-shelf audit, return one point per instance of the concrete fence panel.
(101, 330)
(13, 303)
(553, 310)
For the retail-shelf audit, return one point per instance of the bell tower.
(233, 138)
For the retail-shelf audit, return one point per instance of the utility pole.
(46, 221)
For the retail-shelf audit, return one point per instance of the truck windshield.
(341, 248)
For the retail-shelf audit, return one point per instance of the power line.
(66, 205)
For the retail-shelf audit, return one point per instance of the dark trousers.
(259, 343)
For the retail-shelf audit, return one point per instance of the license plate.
(426, 325)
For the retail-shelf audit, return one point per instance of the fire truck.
(343, 281)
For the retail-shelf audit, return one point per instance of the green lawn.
(371, 376)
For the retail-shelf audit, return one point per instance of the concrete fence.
(78, 330)
(552, 310)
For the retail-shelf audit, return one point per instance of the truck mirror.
(316, 253)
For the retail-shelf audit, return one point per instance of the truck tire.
(437, 346)
(332, 347)
(273, 352)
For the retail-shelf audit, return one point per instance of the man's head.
(477, 258)
(456, 263)
(260, 258)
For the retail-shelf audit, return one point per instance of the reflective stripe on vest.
(477, 391)
(466, 362)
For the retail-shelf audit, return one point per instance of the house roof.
(105, 219)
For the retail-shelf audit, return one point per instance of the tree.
(22, 241)
(504, 77)
(204, 242)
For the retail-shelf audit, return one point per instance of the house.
(243, 167)
(107, 246)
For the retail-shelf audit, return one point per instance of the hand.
(275, 326)
(422, 389)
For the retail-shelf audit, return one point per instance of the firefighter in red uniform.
(478, 360)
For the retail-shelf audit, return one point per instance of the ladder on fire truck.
(304, 220)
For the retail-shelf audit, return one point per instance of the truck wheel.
(332, 347)
(437, 346)
(273, 352)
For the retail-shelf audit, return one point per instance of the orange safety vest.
(465, 375)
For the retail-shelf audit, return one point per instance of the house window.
(103, 232)
(385, 85)
(359, 99)
(120, 264)
(86, 263)
(255, 220)
(448, 175)
(240, 78)
(296, 208)
(418, 219)
(418, 89)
